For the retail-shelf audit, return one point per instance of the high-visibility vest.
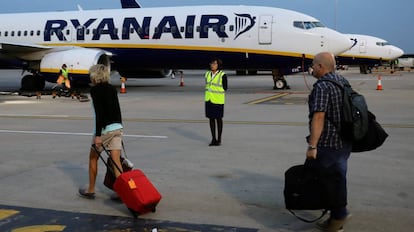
(214, 88)
(65, 74)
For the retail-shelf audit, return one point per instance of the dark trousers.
(337, 160)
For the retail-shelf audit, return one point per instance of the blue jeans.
(337, 160)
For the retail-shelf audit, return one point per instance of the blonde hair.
(99, 73)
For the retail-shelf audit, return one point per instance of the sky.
(389, 20)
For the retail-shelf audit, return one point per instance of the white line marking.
(81, 134)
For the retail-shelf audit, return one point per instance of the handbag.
(373, 139)
(311, 187)
(110, 178)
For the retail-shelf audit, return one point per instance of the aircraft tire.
(32, 83)
(280, 84)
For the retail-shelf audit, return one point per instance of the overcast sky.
(389, 20)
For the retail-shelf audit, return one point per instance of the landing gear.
(32, 83)
(279, 80)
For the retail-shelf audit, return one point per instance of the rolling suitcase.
(135, 190)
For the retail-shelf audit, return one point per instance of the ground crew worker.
(63, 82)
(216, 86)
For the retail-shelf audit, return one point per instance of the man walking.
(325, 144)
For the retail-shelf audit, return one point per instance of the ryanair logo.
(244, 22)
(147, 28)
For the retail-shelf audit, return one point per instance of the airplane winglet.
(130, 4)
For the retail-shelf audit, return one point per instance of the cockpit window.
(307, 25)
(382, 44)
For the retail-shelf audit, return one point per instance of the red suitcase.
(137, 192)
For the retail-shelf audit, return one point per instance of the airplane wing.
(12, 48)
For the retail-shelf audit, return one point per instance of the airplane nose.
(396, 52)
(338, 43)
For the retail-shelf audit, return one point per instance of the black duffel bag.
(312, 187)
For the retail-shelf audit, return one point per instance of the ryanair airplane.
(368, 51)
(136, 41)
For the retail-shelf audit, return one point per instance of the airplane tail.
(130, 4)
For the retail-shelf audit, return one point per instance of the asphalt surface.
(235, 187)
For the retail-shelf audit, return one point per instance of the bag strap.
(123, 148)
(109, 157)
(307, 220)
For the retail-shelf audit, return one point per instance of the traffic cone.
(182, 79)
(379, 85)
(123, 89)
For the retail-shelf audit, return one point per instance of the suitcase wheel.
(134, 214)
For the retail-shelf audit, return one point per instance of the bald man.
(325, 145)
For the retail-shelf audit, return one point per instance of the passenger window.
(31, 33)
(12, 33)
(6, 33)
(38, 33)
(25, 33)
(19, 33)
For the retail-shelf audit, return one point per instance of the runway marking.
(171, 120)
(261, 100)
(77, 134)
(24, 219)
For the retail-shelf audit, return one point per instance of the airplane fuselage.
(244, 37)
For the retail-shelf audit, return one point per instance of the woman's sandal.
(83, 193)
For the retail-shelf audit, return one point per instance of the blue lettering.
(172, 28)
(132, 23)
(55, 27)
(189, 27)
(80, 29)
(216, 22)
(106, 27)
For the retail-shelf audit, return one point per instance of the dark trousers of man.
(337, 160)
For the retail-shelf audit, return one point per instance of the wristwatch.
(310, 147)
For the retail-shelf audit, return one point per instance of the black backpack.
(354, 115)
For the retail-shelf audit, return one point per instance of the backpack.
(354, 115)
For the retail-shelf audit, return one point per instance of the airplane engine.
(78, 61)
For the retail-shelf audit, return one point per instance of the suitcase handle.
(109, 156)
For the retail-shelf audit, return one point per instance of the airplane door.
(265, 29)
(362, 46)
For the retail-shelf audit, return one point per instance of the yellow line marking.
(5, 213)
(40, 228)
(261, 100)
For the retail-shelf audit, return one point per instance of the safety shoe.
(333, 225)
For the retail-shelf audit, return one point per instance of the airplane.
(368, 51)
(135, 41)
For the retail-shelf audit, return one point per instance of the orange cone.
(181, 79)
(123, 89)
(379, 85)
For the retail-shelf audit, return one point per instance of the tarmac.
(237, 186)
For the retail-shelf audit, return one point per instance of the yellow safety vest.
(65, 74)
(214, 88)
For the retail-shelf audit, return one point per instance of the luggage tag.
(132, 184)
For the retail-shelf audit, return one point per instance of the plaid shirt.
(327, 97)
